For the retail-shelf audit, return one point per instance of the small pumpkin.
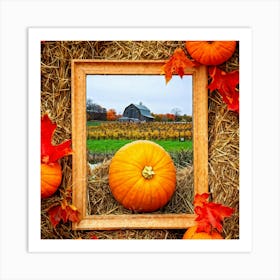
(211, 52)
(192, 234)
(51, 176)
(142, 176)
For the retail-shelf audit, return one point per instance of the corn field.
(134, 131)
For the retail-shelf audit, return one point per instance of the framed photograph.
(188, 134)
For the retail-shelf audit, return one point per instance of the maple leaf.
(211, 215)
(63, 212)
(225, 84)
(232, 101)
(72, 213)
(200, 199)
(55, 215)
(49, 152)
(176, 64)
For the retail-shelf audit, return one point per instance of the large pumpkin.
(192, 234)
(211, 52)
(142, 176)
(51, 176)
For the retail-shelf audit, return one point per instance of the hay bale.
(224, 153)
(224, 160)
(101, 200)
(56, 100)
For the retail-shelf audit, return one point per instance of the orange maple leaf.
(49, 152)
(63, 212)
(210, 215)
(176, 64)
(225, 84)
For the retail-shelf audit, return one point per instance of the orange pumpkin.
(142, 176)
(192, 234)
(51, 176)
(211, 52)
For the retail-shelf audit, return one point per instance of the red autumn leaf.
(93, 237)
(63, 212)
(49, 152)
(200, 199)
(72, 213)
(222, 81)
(211, 215)
(232, 101)
(55, 215)
(176, 64)
(225, 84)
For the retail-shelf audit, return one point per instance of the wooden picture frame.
(82, 68)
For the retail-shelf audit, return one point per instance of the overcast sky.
(119, 91)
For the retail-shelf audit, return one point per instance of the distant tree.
(156, 117)
(111, 115)
(164, 117)
(95, 111)
(176, 112)
(170, 117)
(187, 118)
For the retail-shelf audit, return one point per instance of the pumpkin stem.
(148, 172)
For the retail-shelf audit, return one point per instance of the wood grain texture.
(200, 130)
(136, 221)
(81, 68)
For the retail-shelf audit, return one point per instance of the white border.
(262, 16)
(36, 35)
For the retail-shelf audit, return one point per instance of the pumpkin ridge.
(152, 195)
(226, 49)
(119, 193)
(128, 194)
(163, 186)
(162, 194)
(161, 169)
(163, 162)
(197, 53)
(139, 200)
(131, 180)
(164, 176)
(142, 204)
(53, 183)
(168, 193)
(124, 173)
(129, 163)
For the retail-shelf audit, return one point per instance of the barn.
(137, 112)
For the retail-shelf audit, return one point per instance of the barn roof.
(144, 110)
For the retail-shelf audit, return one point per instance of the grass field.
(93, 123)
(111, 145)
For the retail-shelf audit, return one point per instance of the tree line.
(97, 112)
